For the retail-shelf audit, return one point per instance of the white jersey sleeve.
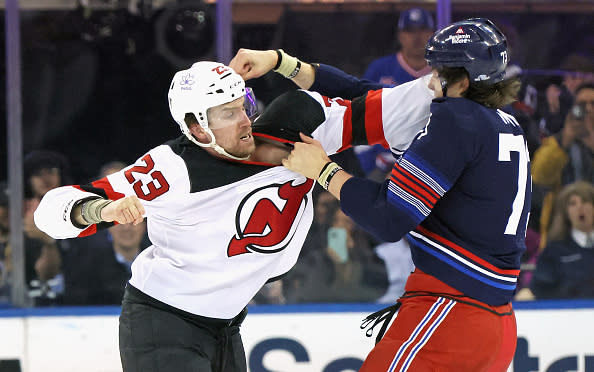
(391, 117)
(152, 178)
(52, 216)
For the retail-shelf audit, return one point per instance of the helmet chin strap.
(213, 145)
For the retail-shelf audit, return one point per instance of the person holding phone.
(345, 269)
(567, 156)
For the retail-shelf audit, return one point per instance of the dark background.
(95, 87)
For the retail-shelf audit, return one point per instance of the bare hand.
(572, 129)
(125, 210)
(251, 64)
(307, 158)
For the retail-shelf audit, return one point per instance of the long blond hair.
(560, 223)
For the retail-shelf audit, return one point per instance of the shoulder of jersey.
(207, 172)
(462, 113)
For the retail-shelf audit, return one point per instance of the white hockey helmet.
(204, 85)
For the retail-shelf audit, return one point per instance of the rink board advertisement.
(552, 337)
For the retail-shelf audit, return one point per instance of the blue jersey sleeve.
(333, 82)
(427, 170)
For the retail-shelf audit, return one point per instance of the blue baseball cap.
(415, 18)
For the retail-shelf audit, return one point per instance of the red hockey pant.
(434, 334)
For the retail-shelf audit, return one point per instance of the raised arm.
(321, 78)
(252, 64)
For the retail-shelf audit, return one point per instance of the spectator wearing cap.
(415, 27)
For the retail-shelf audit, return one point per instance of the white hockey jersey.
(221, 229)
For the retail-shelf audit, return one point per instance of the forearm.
(301, 73)
(336, 183)
(76, 216)
(365, 201)
(333, 82)
(306, 76)
(88, 211)
(54, 214)
(325, 79)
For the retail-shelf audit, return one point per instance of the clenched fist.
(125, 210)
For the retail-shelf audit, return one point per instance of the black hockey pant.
(156, 337)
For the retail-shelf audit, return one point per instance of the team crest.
(267, 218)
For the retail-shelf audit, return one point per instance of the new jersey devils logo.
(267, 218)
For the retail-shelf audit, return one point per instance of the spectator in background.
(99, 274)
(346, 270)
(415, 27)
(5, 264)
(564, 268)
(111, 167)
(325, 207)
(324, 210)
(558, 99)
(271, 294)
(97, 267)
(399, 265)
(43, 171)
(567, 156)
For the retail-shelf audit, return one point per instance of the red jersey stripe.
(347, 127)
(104, 185)
(432, 194)
(412, 191)
(373, 119)
(418, 188)
(466, 253)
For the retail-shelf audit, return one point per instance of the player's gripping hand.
(251, 64)
(307, 157)
(125, 210)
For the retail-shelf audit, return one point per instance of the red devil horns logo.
(269, 228)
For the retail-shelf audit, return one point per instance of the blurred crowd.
(339, 261)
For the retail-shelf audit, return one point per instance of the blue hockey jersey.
(462, 193)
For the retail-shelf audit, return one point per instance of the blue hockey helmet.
(475, 44)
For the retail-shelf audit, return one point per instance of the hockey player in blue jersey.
(462, 193)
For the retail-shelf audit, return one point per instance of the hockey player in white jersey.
(224, 217)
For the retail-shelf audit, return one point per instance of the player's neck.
(269, 153)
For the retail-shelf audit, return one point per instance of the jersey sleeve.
(391, 117)
(418, 180)
(154, 178)
(333, 82)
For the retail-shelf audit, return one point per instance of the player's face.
(44, 180)
(435, 84)
(580, 213)
(232, 128)
(127, 236)
(413, 41)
